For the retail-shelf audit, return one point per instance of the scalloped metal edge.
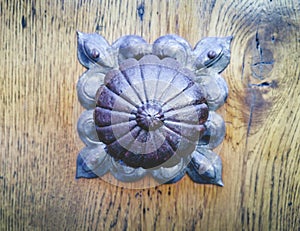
(196, 60)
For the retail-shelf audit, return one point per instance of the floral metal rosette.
(150, 108)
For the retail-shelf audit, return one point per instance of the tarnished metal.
(150, 108)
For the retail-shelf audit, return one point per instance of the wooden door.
(39, 111)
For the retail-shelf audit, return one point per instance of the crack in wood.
(252, 104)
(260, 51)
(263, 63)
(141, 11)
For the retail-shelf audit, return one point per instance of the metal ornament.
(151, 108)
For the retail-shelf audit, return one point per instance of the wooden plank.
(39, 111)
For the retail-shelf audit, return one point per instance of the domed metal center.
(150, 116)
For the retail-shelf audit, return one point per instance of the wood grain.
(39, 111)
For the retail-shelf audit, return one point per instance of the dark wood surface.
(39, 112)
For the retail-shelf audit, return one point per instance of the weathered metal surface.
(151, 107)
